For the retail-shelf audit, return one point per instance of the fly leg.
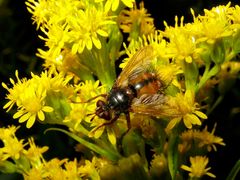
(93, 98)
(123, 135)
(128, 124)
(108, 123)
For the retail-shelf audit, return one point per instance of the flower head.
(34, 174)
(198, 167)
(201, 139)
(34, 153)
(182, 45)
(114, 4)
(136, 22)
(70, 24)
(208, 139)
(88, 170)
(32, 106)
(71, 169)
(32, 96)
(12, 147)
(214, 24)
(235, 15)
(30, 101)
(92, 24)
(15, 92)
(184, 107)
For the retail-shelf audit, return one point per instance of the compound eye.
(106, 115)
(100, 103)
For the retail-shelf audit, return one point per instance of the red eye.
(100, 103)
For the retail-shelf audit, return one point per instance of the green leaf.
(173, 155)
(8, 167)
(232, 175)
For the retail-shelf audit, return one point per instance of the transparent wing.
(136, 65)
(153, 105)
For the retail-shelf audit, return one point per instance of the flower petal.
(41, 115)
(18, 114)
(187, 121)
(25, 117)
(102, 33)
(31, 121)
(47, 109)
(200, 114)
(96, 42)
(172, 123)
(111, 135)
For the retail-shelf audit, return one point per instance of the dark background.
(19, 42)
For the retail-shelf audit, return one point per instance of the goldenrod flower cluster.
(84, 39)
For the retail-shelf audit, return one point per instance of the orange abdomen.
(146, 83)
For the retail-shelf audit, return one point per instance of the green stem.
(111, 155)
(230, 56)
(232, 175)
(191, 75)
(217, 102)
(208, 73)
(204, 77)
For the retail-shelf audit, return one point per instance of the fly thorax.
(119, 99)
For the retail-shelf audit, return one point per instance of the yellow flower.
(66, 62)
(31, 95)
(88, 170)
(86, 30)
(114, 4)
(15, 92)
(214, 24)
(183, 107)
(53, 169)
(36, 8)
(34, 153)
(198, 167)
(89, 89)
(77, 114)
(71, 170)
(86, 110)
(56, 82)
(32, 106)
(182, 45)
(12, 147)
(168, 73)
(155, 40)
(136, 21)
(10, 131)
(208, 139)
(158, 165)
(56, 37)
(98, 129)
(70, 24)
(200, 139)
(34, 174)
(235, 15)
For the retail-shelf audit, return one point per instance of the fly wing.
(153, 105)
(136, 65)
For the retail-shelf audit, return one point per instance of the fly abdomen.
(147, 83)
